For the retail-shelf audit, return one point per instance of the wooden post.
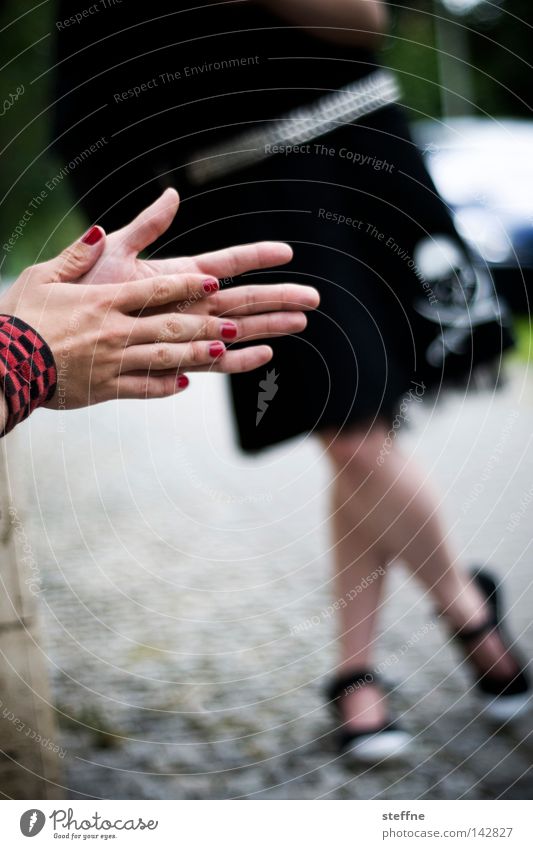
(30, 755)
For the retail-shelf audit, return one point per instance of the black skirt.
(402, 308)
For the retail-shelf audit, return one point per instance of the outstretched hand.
(244, 312)
(120, 260)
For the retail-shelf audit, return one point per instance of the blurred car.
(483, 169)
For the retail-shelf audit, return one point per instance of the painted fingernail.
(211, 284)
(92, 236)
(182, 381)
(216, 349)
(228, 330)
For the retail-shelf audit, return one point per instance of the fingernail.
(229, 330)
(92, 236)
(182, 381)
(211, 284)
(216, 349)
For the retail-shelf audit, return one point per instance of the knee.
(356, 453)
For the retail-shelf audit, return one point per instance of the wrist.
(28, 374)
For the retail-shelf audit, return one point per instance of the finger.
(151, 223)
(75, 260)
(269, 325)
(237, 362)
(233, 362)
(179, 327)
(233, 261)
(183, 290)
(150, 385)
(163, 356)
(187, 327)
(247, 300)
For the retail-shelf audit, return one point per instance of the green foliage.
(498, 40)
(524, 339)
(502, 51)
(26, 47)
(410, 51)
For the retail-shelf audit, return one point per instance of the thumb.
(77, 259)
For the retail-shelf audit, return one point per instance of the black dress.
(402, 308)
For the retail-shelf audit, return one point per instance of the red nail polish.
(211, 285)
(216, 349)
(92, 236)
(183, 381)
(228, 331)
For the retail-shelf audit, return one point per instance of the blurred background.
(465, 70)
(454, 57)
(183, 587)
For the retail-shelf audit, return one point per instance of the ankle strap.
(350, 681)
(465, 634)
(489, 588)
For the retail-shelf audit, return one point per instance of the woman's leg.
(360, 570)
(383, 510)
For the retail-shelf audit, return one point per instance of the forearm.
(358, 22)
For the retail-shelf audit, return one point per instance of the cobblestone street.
(185, 590)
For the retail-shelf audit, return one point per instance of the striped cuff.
(28, 375)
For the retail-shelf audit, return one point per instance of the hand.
(120, 260)
(360, 23)
(133, 339)
(257, 311)
(106, 341)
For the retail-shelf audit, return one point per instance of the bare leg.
(383, 512)
(359, 579)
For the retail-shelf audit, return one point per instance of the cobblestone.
(173, 569)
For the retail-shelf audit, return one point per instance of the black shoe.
(501, 699)
(372, 745)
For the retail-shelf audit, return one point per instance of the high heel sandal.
(501, 699)
(371, 745)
